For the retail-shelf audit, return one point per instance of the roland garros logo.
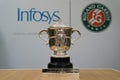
(96, 17)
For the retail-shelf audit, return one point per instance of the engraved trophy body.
(59, 40)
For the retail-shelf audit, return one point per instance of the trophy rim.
(67, 27)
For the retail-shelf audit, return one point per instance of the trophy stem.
(60, 54)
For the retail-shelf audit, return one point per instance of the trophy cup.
(59, 40)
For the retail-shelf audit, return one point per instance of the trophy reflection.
(59, 40)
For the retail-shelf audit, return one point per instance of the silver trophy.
(59, 40)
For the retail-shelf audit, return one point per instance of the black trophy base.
(60, 62)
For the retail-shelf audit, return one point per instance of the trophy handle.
(79, 34)
(40, 35)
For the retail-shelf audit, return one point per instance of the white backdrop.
(20, 46)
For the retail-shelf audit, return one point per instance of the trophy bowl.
(60, 41)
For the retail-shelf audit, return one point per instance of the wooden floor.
(36, 74)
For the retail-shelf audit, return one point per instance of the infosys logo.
(38, 16)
